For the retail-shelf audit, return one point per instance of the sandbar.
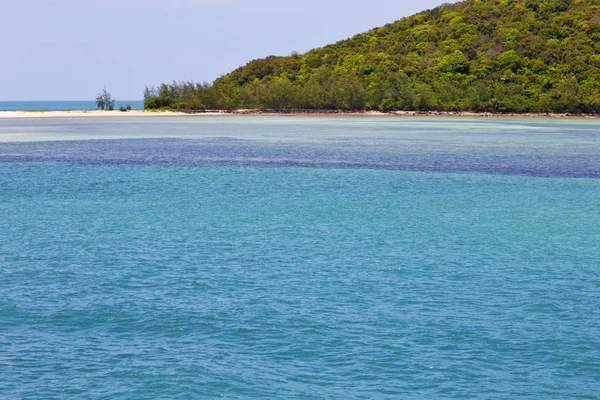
(297, 113)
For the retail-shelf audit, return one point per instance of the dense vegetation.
(479, 55)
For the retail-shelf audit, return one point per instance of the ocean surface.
(62, 105)
(299, 258)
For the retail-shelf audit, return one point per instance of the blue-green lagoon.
(299, 258)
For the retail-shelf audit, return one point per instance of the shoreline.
(37, 114)
(271, 113)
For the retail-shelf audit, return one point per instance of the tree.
(481, 55)
(104, 101)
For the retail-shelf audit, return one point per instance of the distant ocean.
(62, 105)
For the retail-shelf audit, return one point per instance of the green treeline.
(478, 55)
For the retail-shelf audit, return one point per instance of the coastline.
(291, 113)
(85, 114)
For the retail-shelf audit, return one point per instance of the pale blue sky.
(70, 49)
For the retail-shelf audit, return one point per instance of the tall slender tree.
(104, 101)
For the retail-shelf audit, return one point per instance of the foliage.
(125, 108)
(480, 55)
(104, 101)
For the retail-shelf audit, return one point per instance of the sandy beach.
(304, 113)
(85, 114)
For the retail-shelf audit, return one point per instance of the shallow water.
(300, 258)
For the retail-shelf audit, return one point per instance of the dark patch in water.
(225, 151)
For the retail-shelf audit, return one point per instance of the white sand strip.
(94, 114)
(141, 113)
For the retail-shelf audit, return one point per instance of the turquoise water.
(299, 258)
(62, 105)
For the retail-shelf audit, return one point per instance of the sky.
(71, 49)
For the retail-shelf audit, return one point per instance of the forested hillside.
(478, 55)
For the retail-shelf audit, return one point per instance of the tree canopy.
(104, 101)
(479, 55)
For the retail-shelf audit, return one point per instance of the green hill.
(479, 55)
